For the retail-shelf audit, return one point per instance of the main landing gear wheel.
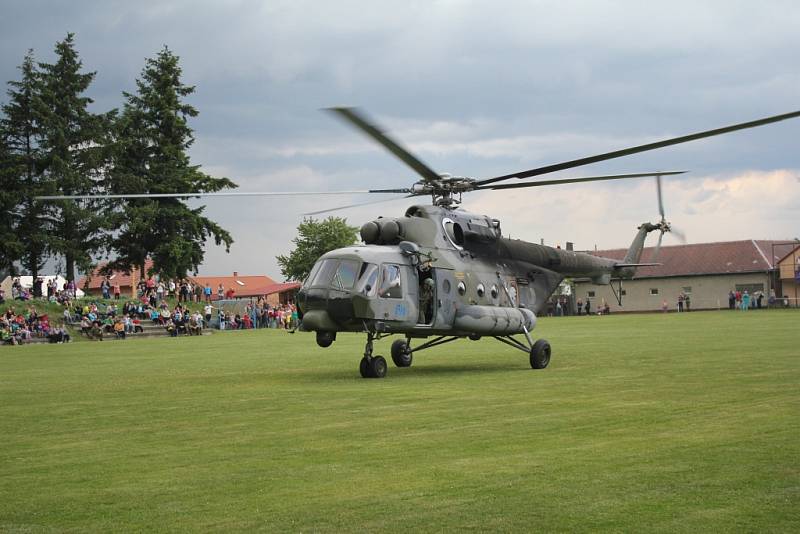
(540, 354)
(363, 367)
(401, 355)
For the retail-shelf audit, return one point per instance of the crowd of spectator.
(259, 314)
(19, 327)
(118, 317)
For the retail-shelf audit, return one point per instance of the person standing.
(687, 302)
(580, 306)
(731, 300)
(745, 300)
(588, 306)
(680, 302)
(207, 292)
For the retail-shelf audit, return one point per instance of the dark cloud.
(477, 88)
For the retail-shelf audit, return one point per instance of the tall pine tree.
(24, 167)
(152, 140)
(75, 146)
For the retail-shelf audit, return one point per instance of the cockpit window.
(345, 275)
(323, 274)
(368, 280)
(390, 282)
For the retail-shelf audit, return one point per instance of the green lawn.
(666, 423)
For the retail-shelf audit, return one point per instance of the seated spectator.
(119, 329)
(194, 326)
(170, 327)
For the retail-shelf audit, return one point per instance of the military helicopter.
(441, 272)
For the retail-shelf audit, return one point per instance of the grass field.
(685, 422)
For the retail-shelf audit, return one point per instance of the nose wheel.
(372, 366)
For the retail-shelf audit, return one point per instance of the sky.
(473, 88)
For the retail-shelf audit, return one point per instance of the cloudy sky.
(475, 89)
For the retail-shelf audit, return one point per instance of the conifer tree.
(152, 140)
(75, 147)
(24, 168)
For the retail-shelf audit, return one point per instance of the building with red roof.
(250, 286)
(705, 272)
(127, 281)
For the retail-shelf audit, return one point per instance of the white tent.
(27, 283)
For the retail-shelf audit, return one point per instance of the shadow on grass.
(417, 372)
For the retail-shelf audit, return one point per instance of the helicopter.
(444, 273)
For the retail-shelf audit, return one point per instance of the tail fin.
(631, 261)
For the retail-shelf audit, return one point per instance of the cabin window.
(390, 282)
(494, 292)
(654, 291)
(481, 290)
(368, 280)
(462, 288)
(345, 276)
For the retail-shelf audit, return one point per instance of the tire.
(400, 354)
(540, 354)
(378, 367)
(364, 369)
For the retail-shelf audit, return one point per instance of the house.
(127, 281)
(789, 273)
(250, 286)
(706, 272)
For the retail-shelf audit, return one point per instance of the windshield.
(345, 275)
(322, 275)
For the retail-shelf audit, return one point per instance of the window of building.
(687, 290)
(654, 291)
(590, 294)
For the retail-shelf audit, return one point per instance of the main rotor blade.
(641, 148)
(226, 194)
(660, 201)
(577, 180)
(357, 119)
(328, 210)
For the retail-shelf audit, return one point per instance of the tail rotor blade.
(660, 198)
(679, 235)
(654, 258)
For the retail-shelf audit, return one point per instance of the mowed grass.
(666, 423)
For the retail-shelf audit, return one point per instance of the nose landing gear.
(372, 366)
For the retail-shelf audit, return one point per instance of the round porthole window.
(481, 290)
(494, 292)
(462, 288)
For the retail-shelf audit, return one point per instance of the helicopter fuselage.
(440, 271)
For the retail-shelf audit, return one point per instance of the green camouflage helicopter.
(442, 272)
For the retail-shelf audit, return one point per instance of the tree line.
(51, 143)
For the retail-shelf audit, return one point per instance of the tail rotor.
(663, 225)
